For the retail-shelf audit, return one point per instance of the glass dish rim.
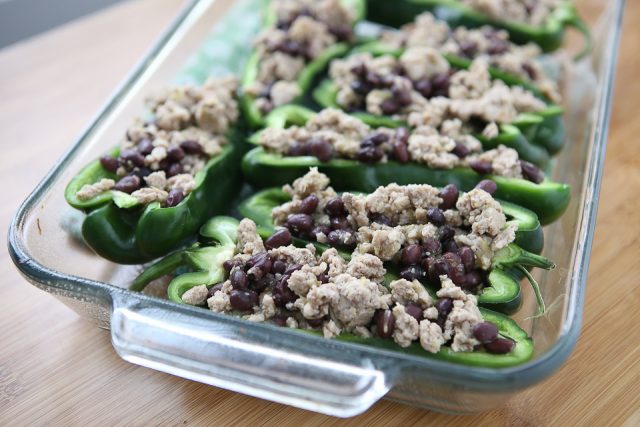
(528, 373)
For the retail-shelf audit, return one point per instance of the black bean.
(380, 219)
(339, 223)
(499, 346)
(212, 290)
(297, 150)
(426, 264)
(279, 321)
(320, 229)
(376, 138)
(174, 169)
(342, 32)
(109, 163)
(385, 323)
(321, 149)
(444, 306)
(315, 323)
(485, 332)
(141, 172)
(450, 246)
(370, 154)
(402, 134)
(281, 237)
(335, 207)
(497, 46)
(460, 150)
(291, 268)
(468, 48)
(341, 238)
(174, 197)
(238, 279)
(175, 153)
(309, 204)
(435, 216)
(531, 172)
(230, 263)
(260, 266)
(401, 152)
(449, 196)
(467, 257)
(281, 293)
(132, 156)
(145, 146)
(440, 84)
(456, 269)
(423, 87)
(446, 233)
(487, 185)
(278, 267)
(431, 246)
(531, 72)
(263, 283)
(413, 272)
(414, 311)
(360, 87)
(289, 47)
(323, 278)
(373, 79)
(473, 279)
(389, 107)
(128, 184)
(300, 223)
(359, 70)
(438, 268)
(401, 96)
(191, 147)
(411, 255)
(483, 167)
(243, 300)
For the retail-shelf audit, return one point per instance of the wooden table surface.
(57, 369)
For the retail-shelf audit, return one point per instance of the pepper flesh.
(138, 234)
(207, 262)
(262, 169)
(251, 112)
(503, 290)
(549, 36)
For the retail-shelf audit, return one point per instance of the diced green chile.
(502, 294)
(533, 150)
(206, 265)
(251, 112)
(548, 36)
(262, 169)
(119, 229)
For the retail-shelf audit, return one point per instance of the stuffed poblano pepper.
(515, 65)
(541, 22)
(359, 157)
(424, 232)
(419, 86)
(299, 40)
(173, 170)
(234, 271)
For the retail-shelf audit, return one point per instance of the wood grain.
(56, 369)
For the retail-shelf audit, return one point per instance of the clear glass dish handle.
(227, 356)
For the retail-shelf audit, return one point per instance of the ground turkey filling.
(532, 12)
(429, 232)
(487, 42)
(421, 88)
(334, 134)
(296, 287)
(159, 158)
(305, 29)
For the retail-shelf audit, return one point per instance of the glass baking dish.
(284, 365)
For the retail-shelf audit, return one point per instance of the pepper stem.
(536, 289)
(533, 260)
(513, 255)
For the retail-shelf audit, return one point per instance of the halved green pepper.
(252, 113)
(548, 36)
(262, 169)
(204, 260)
(523, 134)
(545, 128)
(503, 292)
(119, 229)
